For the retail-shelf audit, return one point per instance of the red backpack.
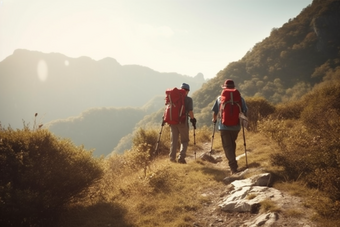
(230, 107)
(175, 110)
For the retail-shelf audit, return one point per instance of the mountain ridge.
(59, 87)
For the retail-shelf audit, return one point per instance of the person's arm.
(244, 107)
(191, 114)
(214, 119)
(215, 110)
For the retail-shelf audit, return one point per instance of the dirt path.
(211, 215)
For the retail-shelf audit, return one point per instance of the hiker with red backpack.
(228, 107)
(179, 108)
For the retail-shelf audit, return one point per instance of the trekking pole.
(159, 137)
(212, 138)
(245, 149)
(194, 143)
(244, 121)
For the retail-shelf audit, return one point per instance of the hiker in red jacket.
(182, 130)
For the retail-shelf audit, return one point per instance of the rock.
(264, 220)
(234, 177)
(209, 158)
(262, 179)
(248, 193)
(248, 198)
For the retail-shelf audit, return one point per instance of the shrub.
(258, 109)
(139, 157)
(322, 119)
(321, 113)
(310, 144)
(161, 180)
(151, 136)
(39, 174)
(290, 110)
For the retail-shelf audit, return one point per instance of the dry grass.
(268, 206)
(175, 203)
(172, 193)
(294, 213)
(169, 196)
(314, 199)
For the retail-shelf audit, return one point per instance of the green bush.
(39, 175)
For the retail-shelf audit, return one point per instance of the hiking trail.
(211, 214)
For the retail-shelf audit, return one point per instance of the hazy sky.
(183, 36)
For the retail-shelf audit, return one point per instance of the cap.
(228, 84)
(185, 86)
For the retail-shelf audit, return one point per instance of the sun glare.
(42, 70)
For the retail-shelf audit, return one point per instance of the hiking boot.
(172, 160)
(234, 171)
(182, 161)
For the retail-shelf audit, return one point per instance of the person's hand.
(193, 122)
(214, 121)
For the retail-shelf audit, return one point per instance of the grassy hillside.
(148, 191)
(297, 142)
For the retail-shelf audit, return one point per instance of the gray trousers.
(182, 131)
(228, 138)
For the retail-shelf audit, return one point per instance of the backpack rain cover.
(175, 106)
(230, 106)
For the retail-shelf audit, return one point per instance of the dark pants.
(228, 138)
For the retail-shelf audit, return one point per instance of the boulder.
(247, 194)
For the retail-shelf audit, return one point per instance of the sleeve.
(215, 107)
(244, 106)
(189, 104)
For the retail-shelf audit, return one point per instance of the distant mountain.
(57, 87)
(93, 103)
(101, 129)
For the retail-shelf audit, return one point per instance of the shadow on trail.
(216, 174)
(100, 214)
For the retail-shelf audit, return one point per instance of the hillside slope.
(282, 67)
(101, 129)
(159, 202)
(285, 65)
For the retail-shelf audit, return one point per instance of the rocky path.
(291, 211)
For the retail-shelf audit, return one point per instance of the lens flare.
(42, 70)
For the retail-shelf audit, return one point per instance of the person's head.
(185, 87)
(228, 84)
